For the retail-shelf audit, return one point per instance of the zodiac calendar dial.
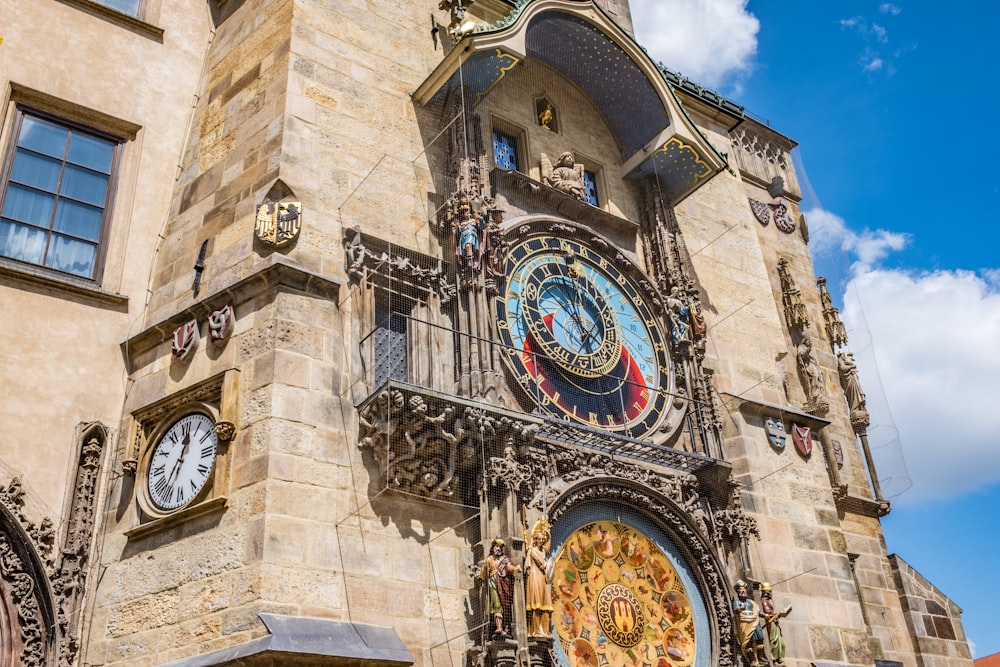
(619, 602)
(581, 338)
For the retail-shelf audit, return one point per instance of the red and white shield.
(185, 339)
(803, 439)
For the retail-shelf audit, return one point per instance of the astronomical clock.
(582, 338)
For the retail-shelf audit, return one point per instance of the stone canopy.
(580, 42)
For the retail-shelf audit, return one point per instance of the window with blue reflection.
(505, 150)
(54, 201)
(130, 7)
(590, 188)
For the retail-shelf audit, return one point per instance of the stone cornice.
(278, 274)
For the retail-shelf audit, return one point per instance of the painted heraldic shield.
(802, 436)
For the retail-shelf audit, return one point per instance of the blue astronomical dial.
(580, 337)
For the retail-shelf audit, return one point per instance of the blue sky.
(893, 105)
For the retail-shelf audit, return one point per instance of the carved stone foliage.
(556, 469)
(70, 578)
(23, 588)
(371, 260)
(420, 444)
(674, 520)
(734, 523)
(32, 570)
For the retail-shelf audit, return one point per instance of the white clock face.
(181, 462)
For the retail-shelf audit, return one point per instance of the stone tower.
(422, 333)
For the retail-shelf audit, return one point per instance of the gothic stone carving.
(791, 298)
(566, 175)
(560, 468)
(24, 586)
(835, 329)
(418, 444)
(734, 523)
(363, 263)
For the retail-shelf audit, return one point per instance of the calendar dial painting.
(619, 602)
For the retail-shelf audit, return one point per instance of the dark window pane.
(91, 152)
(37, 170)
(21, 242)
(130, 7)
(28, 205)
(590, 188)
(43, 136)
(504, 150)
(84, 185)
(72, 256)
(78, 220)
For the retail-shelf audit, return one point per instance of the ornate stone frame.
(26, 597)
(681, 529)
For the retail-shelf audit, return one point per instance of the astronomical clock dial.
(642, 617)
(581, 338)
(181, 462)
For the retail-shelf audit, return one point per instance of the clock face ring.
(181, 462)
(581, 338)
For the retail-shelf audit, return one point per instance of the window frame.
(103, 238)
(139, 10)
(517, 134)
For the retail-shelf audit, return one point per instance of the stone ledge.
(59, 285)
(295, 639)
(279, 273)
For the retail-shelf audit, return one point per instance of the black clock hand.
(186, 445)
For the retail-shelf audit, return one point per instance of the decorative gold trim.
(681, 146)
(503, 73)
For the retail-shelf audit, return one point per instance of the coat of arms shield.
(802, 436)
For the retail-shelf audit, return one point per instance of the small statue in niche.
(566, 176)
(547, 116)
(468, 235)
(539, 594)
(498, 573)
(812, 377)
(771, 626)
(496, 244)
(680, 316)
(748, 631)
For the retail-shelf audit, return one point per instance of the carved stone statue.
(498, 573)
(566, 176)
(539, 594)
(748, 631)
(848, 371)
(680, 316)
(812, 377)
(468, 235)
(771, 626)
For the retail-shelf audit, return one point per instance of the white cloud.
(706, 40)
(828, 234)
(932, 366)
(875, 38)
(874, 65)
